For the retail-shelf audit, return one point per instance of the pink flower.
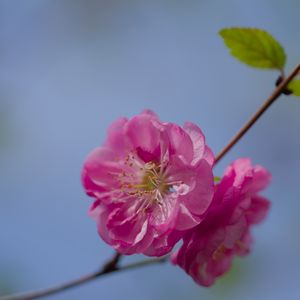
(151, 181)
(209, 248)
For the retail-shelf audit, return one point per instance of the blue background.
(69, 68)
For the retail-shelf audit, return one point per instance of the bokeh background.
(69, 68)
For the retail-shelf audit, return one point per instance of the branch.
(82, 280)
(276, 93)
(112, 265)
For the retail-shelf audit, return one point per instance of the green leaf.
(254, 47)
(294, 86)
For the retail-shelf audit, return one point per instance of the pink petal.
(181, 144)
(258, 210)
(199, 198)
(142, 133)
(200, 150)
(116, 138)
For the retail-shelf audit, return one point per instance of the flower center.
(147, 181)
(154, 179)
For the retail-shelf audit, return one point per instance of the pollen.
(147, 181)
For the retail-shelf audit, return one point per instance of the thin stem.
(277, 92)
(112, 265)
(81, 280)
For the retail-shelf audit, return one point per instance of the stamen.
(147, 181)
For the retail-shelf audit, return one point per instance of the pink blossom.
(151, 182)
(208, 249)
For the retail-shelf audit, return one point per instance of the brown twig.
(277, 92)
(82, 280)
(112, 265)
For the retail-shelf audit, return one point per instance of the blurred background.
(69, 68)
